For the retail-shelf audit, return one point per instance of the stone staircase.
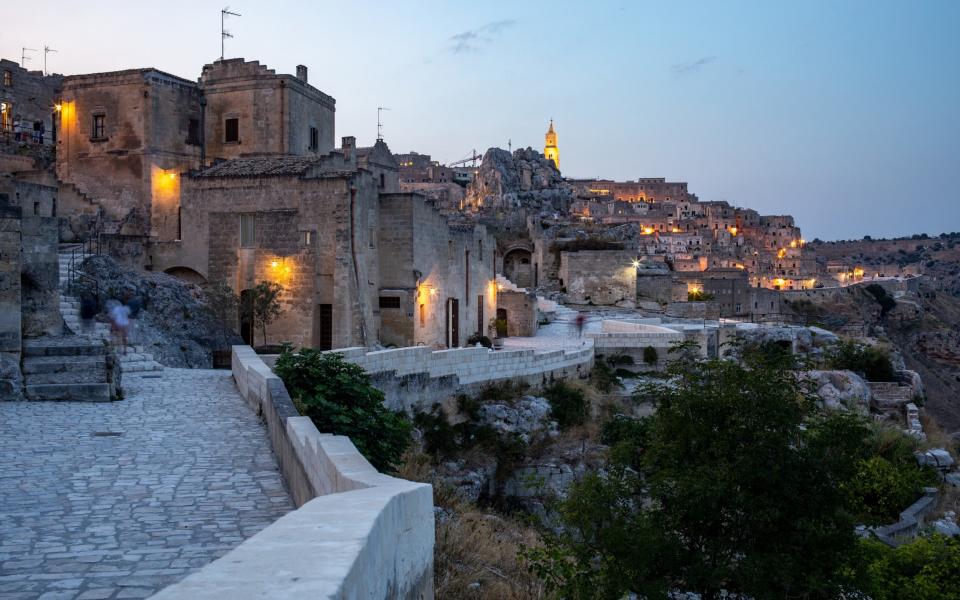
(73, 368)
(137, 360)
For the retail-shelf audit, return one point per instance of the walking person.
(120, 322)
(88, 311)
(135, 305)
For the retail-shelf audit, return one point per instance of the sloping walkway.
(119, 500)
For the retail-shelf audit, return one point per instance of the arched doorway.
(517, 267)
(186, 274)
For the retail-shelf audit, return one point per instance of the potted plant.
(499, 327)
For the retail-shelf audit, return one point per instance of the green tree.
(732, 485)
(650, 355)
(871, 362)
(263, 305)
(339, 399)
(222, 302)
(925, 569)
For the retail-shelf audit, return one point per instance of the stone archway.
(186, 274)
(518, 267)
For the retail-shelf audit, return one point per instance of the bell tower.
(550, 149)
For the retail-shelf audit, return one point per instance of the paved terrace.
(119, 500)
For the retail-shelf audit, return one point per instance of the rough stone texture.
(599, 277)
(524, 179)
(840, 390)
(175, 325)
(11, 380)
(937, 458)
(88, 514)
(525, 417)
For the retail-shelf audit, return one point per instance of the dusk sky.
(845, 114)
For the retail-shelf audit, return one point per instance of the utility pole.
(224, 34)
(46, 50)
(379, 122)
(23, 56)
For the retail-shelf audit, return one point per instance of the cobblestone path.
(119, 500)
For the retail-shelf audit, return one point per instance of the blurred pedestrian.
(580, 321)
(119, 322)
(135, 304)
(88, 311)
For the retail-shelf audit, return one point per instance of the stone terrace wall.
(417, 377)
(356, 534)
(630, 339)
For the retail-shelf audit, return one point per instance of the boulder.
(175, 326)
(938, 458)
(840, 390)
(11, 380)
(524, 179)
(526, 417)
(947, 525)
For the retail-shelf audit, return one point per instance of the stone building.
(550, 149)
(27, 98)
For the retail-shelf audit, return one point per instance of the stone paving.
(119, 500)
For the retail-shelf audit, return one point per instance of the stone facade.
(28, 98)
(599, 277)
(437, 280)
(519, 308)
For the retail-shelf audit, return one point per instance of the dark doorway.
(246, 316)
(323, 327)
(480, 315)
(453, 323)
(502, 316)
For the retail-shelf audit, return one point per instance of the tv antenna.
(510, 146)
(224, 34)
(23, 56)
(46, 50)
(380, 122)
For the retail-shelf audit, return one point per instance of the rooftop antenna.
(23, 56)
(46, 50)
(510, 146)
(379, 122)
(224, 34)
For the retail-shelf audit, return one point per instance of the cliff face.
(522, 180)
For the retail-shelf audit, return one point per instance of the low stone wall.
(911, 520)
(356, 534)
(417, 377)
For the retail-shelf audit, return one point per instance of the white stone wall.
(364, 535)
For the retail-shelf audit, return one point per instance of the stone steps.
(74, 392)
(67, 346)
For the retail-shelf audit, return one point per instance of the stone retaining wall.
(356, 534)
(417, 377)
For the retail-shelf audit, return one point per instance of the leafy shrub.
(477, 338)
(925, 569)
(650, 355)
(338, 398)
(585, 244)
(698, 296)
(886, 301)
(881, 489)
(619, 359)
(504, 391)
(626, 437)
(568, 405)
(873, 363)
(603, 377)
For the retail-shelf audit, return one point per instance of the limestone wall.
(356, 534)
(417, 377)
(599, 277)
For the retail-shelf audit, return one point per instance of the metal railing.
(78, 280)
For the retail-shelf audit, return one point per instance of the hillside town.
(175, 241)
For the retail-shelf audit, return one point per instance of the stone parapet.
(356, 534)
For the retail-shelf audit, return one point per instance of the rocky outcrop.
(175, 325)
(11, 380)
(526, 417)
(522, 180)
(838, 390)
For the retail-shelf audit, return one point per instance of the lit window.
(307, 238)
(247, 231)
(7, 78)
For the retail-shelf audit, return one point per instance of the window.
(382, 181)
(247, 231)
(389, 302)
(306, 238)
(231, 130)
(314, 138)
(423, 315)
(193, 132)
(7, 78)
(98, 127)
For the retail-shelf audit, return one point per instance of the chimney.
(302, 73)
(349, 144)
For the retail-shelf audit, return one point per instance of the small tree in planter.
(263, 305)
(650, 355)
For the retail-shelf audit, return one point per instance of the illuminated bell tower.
(550, 149)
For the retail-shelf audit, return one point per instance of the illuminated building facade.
(550, 149)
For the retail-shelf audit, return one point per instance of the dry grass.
(477, 553)
(936, 436)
